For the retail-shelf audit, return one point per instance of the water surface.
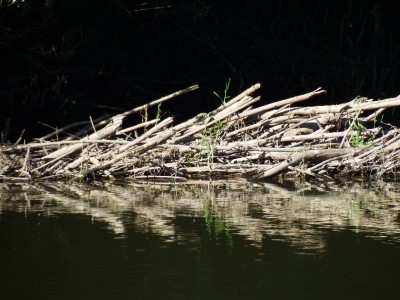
(215, 240)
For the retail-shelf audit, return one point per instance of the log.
(237, 139)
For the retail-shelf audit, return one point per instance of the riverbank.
(238, 139)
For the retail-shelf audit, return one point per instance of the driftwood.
(234, 140)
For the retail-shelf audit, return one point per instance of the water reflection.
(298, 215)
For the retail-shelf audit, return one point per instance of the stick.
(305, 156)
(280, 103)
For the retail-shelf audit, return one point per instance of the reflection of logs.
(234, 140)
(299, 216)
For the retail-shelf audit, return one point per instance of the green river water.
(218, 240)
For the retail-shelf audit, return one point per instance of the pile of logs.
(236, 140)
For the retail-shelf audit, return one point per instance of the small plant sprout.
(225, 96)
(159, 112)
(357, 138)
(211, 136)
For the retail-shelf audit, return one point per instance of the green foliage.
(225, 96)
(159, 112)
(49, 3)
(209, 138)
(357, 137)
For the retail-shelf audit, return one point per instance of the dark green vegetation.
(63, 60)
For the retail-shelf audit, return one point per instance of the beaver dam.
(236, 140)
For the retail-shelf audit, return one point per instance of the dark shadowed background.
(62, 61)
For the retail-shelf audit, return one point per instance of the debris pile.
(236, 140)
